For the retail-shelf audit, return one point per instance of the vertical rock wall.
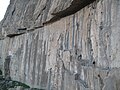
(54, 47)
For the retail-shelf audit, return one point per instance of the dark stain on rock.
(7, 67)
(79, 57)
(94, 62)
(0, 72)
(77, 76)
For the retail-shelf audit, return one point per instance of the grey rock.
(51, 40)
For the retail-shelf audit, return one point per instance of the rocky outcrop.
(62, 44)
(32, 14)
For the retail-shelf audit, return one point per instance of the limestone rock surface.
(62, 44)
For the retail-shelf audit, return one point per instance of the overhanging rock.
(68, 8)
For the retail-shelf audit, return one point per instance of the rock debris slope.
(62, 44)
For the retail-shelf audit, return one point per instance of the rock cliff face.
(62, 44)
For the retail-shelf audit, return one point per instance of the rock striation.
(61, 44)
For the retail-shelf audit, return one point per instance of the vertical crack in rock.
(13, 11)
(100, 82)
(49, 79)
(35, 56)
(77, 78)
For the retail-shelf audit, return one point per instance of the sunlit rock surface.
(62, 44)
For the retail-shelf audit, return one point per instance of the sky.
(3, 6)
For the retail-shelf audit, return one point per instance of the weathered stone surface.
(33, 13)
(79, 51)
